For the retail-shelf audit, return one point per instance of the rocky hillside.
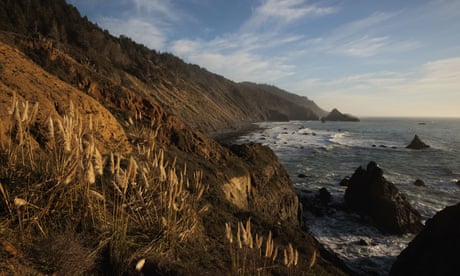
(51, 192)
(102, 170)
(101, 63)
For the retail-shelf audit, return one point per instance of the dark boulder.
(417, 144)
(301, 175)
(324, 196)
(369, 193)
(345, 181)
(419, 182)
(434, 251)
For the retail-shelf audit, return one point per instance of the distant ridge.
(202, 99)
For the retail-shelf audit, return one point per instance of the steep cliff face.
(101, 65)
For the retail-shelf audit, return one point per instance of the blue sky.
(365, 57)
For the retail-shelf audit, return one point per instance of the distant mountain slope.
(300, 101)
(107, 64)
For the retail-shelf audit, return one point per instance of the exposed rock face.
(270, 190)
(336, 115)
(417, 144)
(434, 251)
(369, 193)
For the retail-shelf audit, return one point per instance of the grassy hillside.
(87, 190)
(102, 169)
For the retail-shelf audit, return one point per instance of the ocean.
(325, 153)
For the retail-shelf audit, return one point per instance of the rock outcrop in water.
(369, 193)
(336, 115)
(434, 251)
(417, 144)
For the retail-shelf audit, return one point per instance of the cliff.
(103, 171)
(103, 63)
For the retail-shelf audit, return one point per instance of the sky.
(364, 57)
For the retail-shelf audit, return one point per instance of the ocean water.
(328, 152)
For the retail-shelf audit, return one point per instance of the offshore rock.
(369, 193)
(336, 115)
(434, 251)
(324, 196)
(417, 144)
(419, 182)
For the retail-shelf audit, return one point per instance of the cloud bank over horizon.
(385, 58)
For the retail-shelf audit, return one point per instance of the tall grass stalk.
(247, 255)
(138, 204)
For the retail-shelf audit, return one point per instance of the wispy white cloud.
(149, 22)
(236, 56)
(365, 46)
(357, 27)
(140, 30)
(163, 9)
(362, 38)
(253, 52)
(284, 12)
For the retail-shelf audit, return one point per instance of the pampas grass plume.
(90, 176)
(19, 202)
(140, 264)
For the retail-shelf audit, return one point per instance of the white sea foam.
(343, 234)
(326, 153)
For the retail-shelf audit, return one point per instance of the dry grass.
(136, 205)
(63, 253)
(248, 254)
(253, 255)
(122, 209)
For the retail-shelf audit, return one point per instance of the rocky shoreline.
(228, 135)
(377, 199)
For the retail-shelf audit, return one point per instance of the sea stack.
(417, 144)
(369, 193)
(336, 115)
